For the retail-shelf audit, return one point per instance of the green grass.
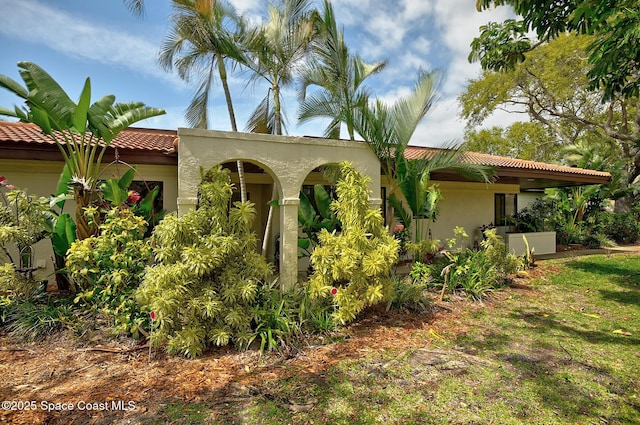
(564, 351)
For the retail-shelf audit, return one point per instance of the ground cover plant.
(560, 347)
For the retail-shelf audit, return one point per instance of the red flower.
(133, 197)
(152, 315)
(334, 290)
(2, 180)
(398, 227)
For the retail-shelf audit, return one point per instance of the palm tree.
(204, 35)
(388, 130)
(275, 50)
(82, 131)
(339, 74)
(135, 6)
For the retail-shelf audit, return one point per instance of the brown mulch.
(95, 369)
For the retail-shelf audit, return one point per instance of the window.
(144, 187)
(505, 207)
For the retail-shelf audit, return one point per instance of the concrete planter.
(539, 242)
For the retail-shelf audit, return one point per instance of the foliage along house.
(279, 167)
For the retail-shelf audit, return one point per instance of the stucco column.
(289, 242)
(376, 203)
(186, 203)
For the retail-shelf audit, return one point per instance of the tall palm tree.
(388, 130)
(203, 37)
(339, 74)
(275, 50)
(82, 131)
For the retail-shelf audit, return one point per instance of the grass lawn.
(564, 351)
(562, 347)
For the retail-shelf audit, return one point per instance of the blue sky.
(75, 39)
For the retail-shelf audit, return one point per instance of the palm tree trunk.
(234, 127)
(277, 109)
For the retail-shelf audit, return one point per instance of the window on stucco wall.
(506, 205)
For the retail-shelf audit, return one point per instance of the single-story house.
(279, 167)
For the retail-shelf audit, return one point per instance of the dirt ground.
(96, 380)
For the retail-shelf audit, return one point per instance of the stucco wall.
(40, 178)
(466, 204)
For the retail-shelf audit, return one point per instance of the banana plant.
(82, 131)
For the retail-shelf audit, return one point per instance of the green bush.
(568, 234)
(408, 294)
(107, 268)
(208, 275)
(477, 273)
(623, 228)
(275, 316)
(354, 266)
(540, 216)
(25, 309)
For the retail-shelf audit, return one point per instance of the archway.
(288, 160)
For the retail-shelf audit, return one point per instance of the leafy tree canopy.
(558, 101)
(524, 140)
(614, 57)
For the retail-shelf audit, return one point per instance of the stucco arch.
(288, 160)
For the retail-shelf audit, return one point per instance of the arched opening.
(317, 191)
(262, 190)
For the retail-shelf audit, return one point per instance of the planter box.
(539, 242)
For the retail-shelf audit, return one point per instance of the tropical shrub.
(26, 311)
(82, 131)
(208, 275)
(24, 220)
(403, 236)
(537, 217)
(422, 273)
(275, 318)
(409, 294)
(354, 266)
(476, 272)
(313, 217)
(623, 228)
(106, 269)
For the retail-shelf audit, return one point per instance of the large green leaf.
(64, 234)
(145, 208)
(13, 86)
(63, 185)
(306, 212)
(127, 178)
(124, 115)
(323, 201)
(399, 210)
(80, 114)
(46, 94)
(40, 118)
(112, 192)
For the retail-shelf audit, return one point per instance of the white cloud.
(32, 21)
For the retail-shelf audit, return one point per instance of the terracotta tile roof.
(138, 139)
(154, 142)
(414, 152)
